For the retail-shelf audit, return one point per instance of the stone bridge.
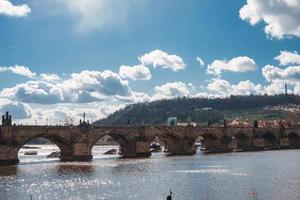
(76, 142)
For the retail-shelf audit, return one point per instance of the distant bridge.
(76, 142)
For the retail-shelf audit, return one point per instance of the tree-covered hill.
(201, 110)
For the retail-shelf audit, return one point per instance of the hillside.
(201, 110)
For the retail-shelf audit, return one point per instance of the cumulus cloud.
(106, 83)
(282, 17)
(297, 89)
(17, 110)
(158, 58)
(135, 97)
(20, 70)
(50, 77)
(68, 113)
(87, 86)
(171, 90)
(238, 64)
(223, 88)
(220, 86)
(208, 95)
(200, 61)
(138, 72)
(290, 74)
(8, 9)
(274, 88)
(49, 97)
(191, 86)
(287, 58)
(34, 92)
(247, 88)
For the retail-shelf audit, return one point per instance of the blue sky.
(54, 53)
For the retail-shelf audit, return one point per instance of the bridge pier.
(245, 144)
(181, 147)
(8, 155)
(294, 141)
(80, 152)
(258, 144)
(284, 142)
(214, 145)
(135, 149)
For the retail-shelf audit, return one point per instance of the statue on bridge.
(6, 119)
(85, 123)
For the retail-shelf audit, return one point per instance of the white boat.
(30, 153)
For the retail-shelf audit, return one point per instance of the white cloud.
(290, 74)
(135, 97)
(50, 77)
(34, 92)
(274, 88)
(223, 88)
(16, 109)
(8, 9)
(48, 96)
(138, 72)
(287, 57)
(87, 86)
(70, 113)
(282, 17)
(220, 86)
(95, 15)
(297, 89)
(191, 86)
(158, 58)
(20, 70)
(208, 95)
(171, 90)
(106, 83)
(246, 88)
(238, 64)
(200, 61)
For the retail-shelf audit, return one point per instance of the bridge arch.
(165, 136)
(210, 136)
(294, 140)
(243, 140)
(172, 141)
(215, 142)
(63, 145)
(270, 140)
(122, 140)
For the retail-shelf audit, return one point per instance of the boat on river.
(30, 153)
(30, 147)
(55, 154)
(111, 152)
(155, 147)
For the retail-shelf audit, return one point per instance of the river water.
(234, 176)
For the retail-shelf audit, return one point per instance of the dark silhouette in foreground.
(170, 196)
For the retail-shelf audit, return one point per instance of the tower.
(285, 89)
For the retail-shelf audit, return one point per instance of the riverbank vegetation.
(201, 110)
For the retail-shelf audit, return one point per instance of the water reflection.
(127, 168)
(235, 176)
(75, 168)
(8, 171)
